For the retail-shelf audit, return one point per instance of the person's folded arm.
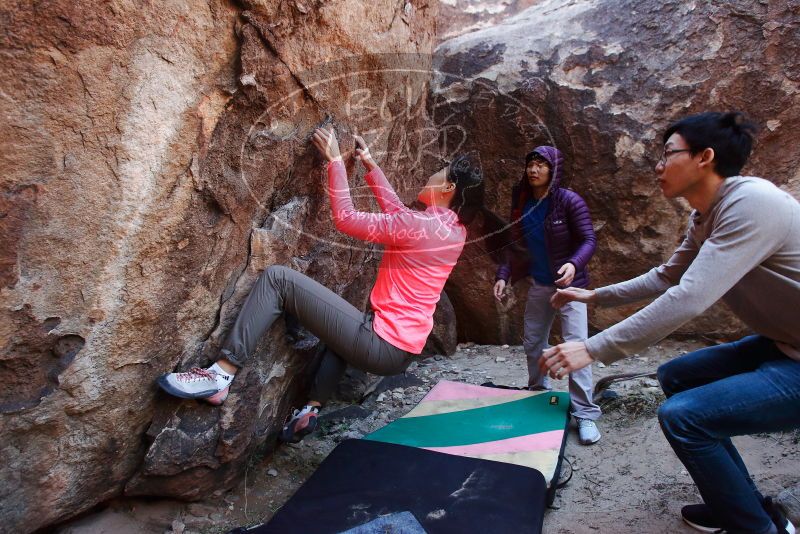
(742, 239)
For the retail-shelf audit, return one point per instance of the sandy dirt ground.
(629, 482)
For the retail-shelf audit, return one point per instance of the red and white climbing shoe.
(302, 423)
(210, 385)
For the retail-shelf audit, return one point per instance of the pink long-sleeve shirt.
(420, 251)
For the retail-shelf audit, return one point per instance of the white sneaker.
(587, 432)
(206, 384)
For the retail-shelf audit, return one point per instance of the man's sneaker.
(700, 517)
(784, 525)
(204, 384)
(302, 423)
(587, 432)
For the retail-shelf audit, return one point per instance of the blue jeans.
(745, 387)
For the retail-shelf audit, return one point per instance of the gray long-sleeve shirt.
(744, 250)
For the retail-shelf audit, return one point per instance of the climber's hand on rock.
(326, 143)
(362, 153)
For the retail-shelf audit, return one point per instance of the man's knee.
(666, 378)
(673, 417)
(668, 415)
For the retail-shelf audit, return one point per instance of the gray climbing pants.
(539, 315)
(346, 332)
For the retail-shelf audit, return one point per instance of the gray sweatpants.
(539, 315)
(346, 332)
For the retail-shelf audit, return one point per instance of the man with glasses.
(742, 246)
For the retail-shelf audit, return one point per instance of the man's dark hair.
(533, 155)
(730, 135)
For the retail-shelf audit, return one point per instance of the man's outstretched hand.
(326, 143)
(565, 358)
(571, 294)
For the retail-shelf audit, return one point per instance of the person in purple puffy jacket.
(555, 227)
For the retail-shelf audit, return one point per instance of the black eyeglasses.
(668, 153)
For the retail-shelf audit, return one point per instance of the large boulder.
(457, 17)
(443, 339)
(601, 80)
(155, 159)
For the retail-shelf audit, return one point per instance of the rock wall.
(601, 80)
(155, 158)
(457, 17)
